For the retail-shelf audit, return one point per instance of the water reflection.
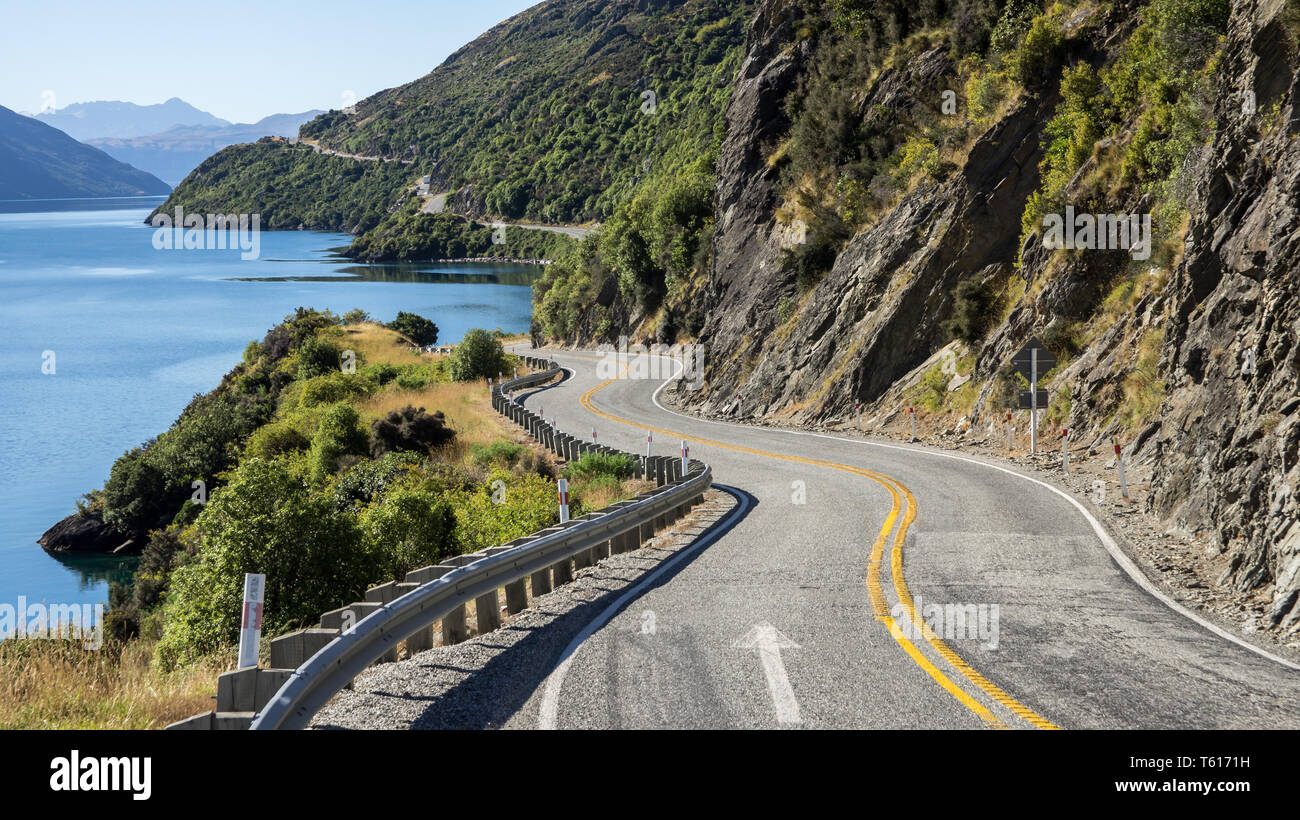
(93, 570)
(491, 273)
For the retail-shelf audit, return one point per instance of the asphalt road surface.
(872, 585)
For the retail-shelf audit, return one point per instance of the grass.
(1144, 390)
(56, 684)
(376, 344)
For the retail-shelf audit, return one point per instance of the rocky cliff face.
(1225, 451)
(1209, 343)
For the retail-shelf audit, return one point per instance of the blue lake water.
(135, 332)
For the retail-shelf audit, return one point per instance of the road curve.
(792, 619)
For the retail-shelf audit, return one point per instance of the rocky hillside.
(890, 195)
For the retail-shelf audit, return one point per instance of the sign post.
(1034, 358)
(250, 633)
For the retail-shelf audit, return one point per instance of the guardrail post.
(454, 630)
(487, 616)
(562, 572)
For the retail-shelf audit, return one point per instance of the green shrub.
(972, 312)
(317, 357)
(264, 520)
(593, 465)
(134, 494)
(416, 328)
(408, 529)
(274, 439)
(367, 480)
(493, 514)
(1038, 52)
(503, 453)
(411, 428)
(478, 356)
(339, 434)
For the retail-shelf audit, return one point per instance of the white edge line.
(546, 715)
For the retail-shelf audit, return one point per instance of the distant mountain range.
(123, 120)
(38, 161)
(173, 153)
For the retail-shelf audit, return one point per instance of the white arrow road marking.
(549, 708)
(769, 642)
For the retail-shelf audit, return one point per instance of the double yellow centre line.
(904, 503)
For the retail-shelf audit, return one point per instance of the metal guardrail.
(331, 669)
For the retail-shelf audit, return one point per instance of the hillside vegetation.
(562, 114)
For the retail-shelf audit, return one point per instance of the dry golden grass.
(46, 684)
(376, 344)
(465, 404)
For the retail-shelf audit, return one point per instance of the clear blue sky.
(239, 60)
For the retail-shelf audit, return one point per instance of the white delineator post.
(857, 408)
(649, 440)
(911, 412)
(564, 501)
(250, 632)
(1010, 431)
(686, 455)
(1119, 465)
(593, 434)
(1065, 449)
(1033, 400)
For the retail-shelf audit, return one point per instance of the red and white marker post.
(250, 632)
(593, 434)
(1010, 431)
(1065, 449)
(1119, 465)
(911, 413)
(686, 455)
(857, 409)
(564, 500)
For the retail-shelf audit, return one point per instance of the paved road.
(786, 621)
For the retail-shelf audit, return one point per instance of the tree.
(416, 328)
(134, 494)
(478, 356)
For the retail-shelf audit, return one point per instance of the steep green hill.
(38, 161)
(557, 115)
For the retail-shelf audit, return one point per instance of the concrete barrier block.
(233, 721)
(268, 683)
(348, 616)
(201, 722)
(292, 650)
